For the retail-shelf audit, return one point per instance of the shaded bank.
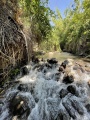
(13, 52)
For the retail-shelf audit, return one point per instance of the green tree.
(37, 13)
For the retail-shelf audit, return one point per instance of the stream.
(53, 89)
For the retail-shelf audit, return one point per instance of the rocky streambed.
(48, 90)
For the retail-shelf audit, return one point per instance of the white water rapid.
(40, 98)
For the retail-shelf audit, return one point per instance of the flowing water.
(40, 94)
(60, 56)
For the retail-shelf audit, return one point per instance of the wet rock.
(36, 100)
(77, 106)
(75, 67)
(23, 87)
(39, 67)
(35, 59)
(1, 104)
(72, 89)
(57, 76)
(48, 66)
(82, 70)
(69, 109)
(19, 106)
(42, 59)
(61, 69)
(43, 67)
(64, 63)
(88, 107)
(52, 61)
(24, 70)
(68, 79)
(63, 93)
(63, 115)
(89, 83)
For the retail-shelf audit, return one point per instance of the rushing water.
(60, 56)
(41, 91)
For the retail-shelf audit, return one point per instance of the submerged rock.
(63, 93)
(77, 106)
(88, 107)
(23, 87)
(63, 115)
(69, 109)
(57, 76)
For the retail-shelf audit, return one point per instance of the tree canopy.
(73, 31)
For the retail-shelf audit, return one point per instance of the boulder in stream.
(19, 106)
(24, 70)
(61, 69)
(52, 61)
(72, 89)
(68, 79)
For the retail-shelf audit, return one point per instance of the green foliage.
(53, 39)
(73, 31)
(14, 72)
(36, 13)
